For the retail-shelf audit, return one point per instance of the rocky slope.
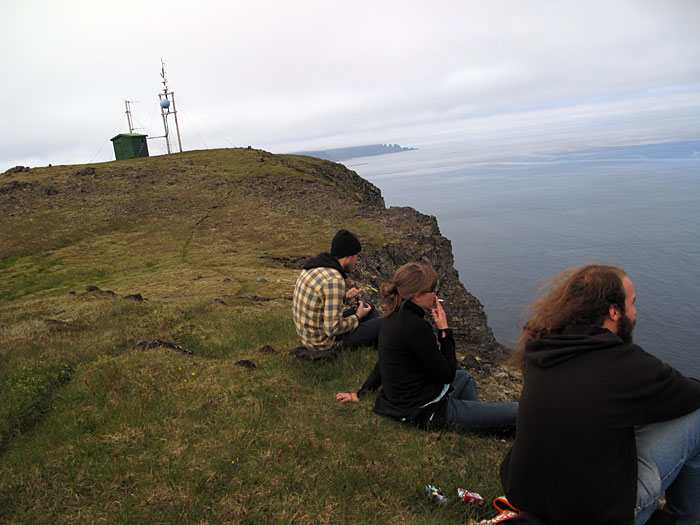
(414, 236)
(237, 207)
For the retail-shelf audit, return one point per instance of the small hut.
(130, 145)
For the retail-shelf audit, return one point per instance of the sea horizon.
(516, 220)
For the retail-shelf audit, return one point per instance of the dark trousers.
(367, 332)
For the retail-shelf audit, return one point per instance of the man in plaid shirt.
(322, 321)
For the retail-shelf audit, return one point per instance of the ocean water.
(516, 221)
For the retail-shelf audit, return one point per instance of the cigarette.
(441, 300)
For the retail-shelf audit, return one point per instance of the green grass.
(156, 436)
(27, 388)
(96, 428)
(7, 262)
(44, 273)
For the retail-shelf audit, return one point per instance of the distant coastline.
(338, 154)
(513, 223)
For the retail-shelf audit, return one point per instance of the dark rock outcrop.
(411, 236)
(157, 343)
(17, 169)
(420, 240)
(414, 236)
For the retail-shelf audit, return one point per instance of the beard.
(625, 329)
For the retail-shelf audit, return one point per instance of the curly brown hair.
(578, 297)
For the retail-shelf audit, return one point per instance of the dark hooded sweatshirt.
(574, 460)
(324, 260)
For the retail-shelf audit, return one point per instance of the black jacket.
(412, 368)
(574, 460)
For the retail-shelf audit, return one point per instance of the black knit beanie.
(345, 243)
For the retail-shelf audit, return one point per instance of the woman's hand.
(345, 397)
(439, 315)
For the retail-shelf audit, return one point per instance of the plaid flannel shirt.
(318, 308)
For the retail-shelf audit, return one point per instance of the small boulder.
(246, 364)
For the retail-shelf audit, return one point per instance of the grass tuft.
(26, 390)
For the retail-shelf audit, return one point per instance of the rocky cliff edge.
(242, 208)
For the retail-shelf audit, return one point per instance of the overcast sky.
(296, 75)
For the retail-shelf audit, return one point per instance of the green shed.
(130, 145)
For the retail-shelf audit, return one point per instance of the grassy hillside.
(122, 410)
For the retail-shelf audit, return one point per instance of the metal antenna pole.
(164, 111)
(177, 126)
(128, 116)
(165, 126)
(165, 99)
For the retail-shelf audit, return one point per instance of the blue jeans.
(366, 333)
(466, 412)
(668, 460)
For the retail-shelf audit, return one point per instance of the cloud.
(314, 74)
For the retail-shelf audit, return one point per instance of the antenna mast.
(166, 99)
(128, 114)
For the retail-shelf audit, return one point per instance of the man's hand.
(362, 309)
(353, 292)
(344, 397)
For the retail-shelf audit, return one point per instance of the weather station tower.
(167, 108)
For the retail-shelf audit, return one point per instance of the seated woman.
(419, 378)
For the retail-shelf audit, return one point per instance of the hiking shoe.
(320, 356)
